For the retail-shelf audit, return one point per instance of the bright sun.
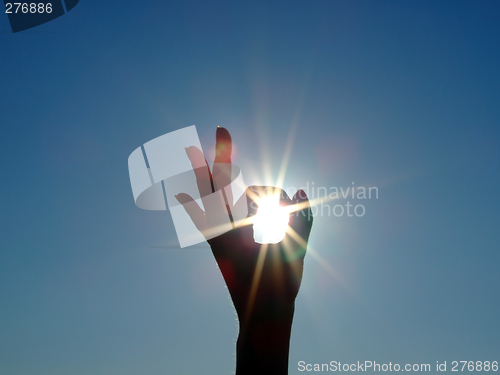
(271, 222)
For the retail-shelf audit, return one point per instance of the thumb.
(301, 220)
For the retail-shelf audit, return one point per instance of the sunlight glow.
(271, 222)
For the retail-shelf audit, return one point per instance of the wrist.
(264, 342)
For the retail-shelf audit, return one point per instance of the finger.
(284, 198)
(223, 146)
(201, 171)
(222, 164)
(193, 210)
(254, 194)
(216, 211)
(301, 219)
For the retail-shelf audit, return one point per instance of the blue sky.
(395, 94)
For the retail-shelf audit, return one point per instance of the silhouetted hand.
(263, 279)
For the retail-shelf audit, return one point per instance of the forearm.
(263, 344)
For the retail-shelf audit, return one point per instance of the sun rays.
(269, 205)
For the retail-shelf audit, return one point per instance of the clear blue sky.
(395, 94)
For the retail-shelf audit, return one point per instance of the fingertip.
(222, 135)
(284, 198)
(300, 196)
(183, 198)
(223, 146)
